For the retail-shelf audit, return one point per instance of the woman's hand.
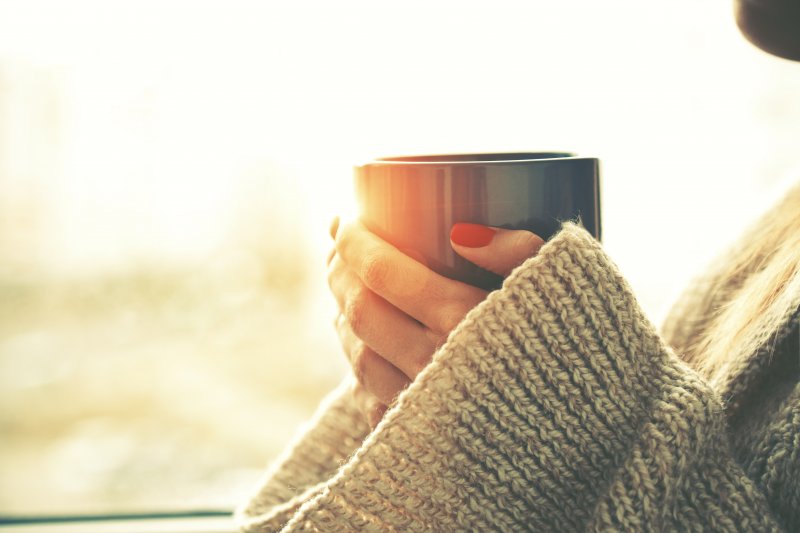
(394, 312)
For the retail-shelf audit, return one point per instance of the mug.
(412, 202)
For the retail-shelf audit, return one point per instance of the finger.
(378, 376)
(374, 413)
(340, 279)
(437, 302)
(395, 336)
(370, 407)
(495, 249)
(334, 226)
(330, 256)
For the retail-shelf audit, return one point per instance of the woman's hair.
(758, 289)
(772, 25)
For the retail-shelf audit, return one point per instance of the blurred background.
(168, 170)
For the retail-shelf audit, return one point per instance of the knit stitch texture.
(554, 406)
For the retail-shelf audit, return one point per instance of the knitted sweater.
(554, 406)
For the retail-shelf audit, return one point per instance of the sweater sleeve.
(321, 446)
(553, 406)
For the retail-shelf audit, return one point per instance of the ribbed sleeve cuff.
(321, 446)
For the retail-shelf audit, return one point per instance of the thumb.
(495, 249)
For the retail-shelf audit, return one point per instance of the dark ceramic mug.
(412, 202)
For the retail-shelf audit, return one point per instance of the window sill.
(212, 524)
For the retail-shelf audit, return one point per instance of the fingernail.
(471, 235)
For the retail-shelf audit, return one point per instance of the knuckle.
(375, 271)
(331, 276)
(418, 364)
(333, 227)
(434, 341)
(344, 238)
(341, 329)
(525, 244)
(334, 270)
(356, 310)
(362, 362)
(374, 413)
(450, 316)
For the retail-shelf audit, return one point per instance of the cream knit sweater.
(553, 406)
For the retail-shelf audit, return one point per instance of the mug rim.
(471, 158)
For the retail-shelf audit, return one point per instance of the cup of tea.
(412, 202)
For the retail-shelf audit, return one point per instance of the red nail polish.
(472, 235)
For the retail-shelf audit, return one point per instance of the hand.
(394, 312)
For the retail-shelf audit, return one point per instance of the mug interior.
(466, 158)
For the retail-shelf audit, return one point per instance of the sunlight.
(169, 170)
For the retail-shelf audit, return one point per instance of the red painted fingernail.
(471, 235)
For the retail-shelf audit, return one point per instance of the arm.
(553, 405)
